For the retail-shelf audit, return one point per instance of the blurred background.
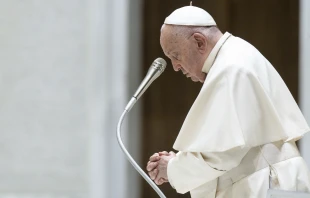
(69, 67)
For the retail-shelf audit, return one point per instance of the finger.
(155, 154)
(163, 153)
(162, 180)
(172, 153)
(151, 166)
(159, 181)
(158, 178)
(154, 158)
(153, 174)
(148, 163)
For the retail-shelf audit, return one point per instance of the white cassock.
(243, 119)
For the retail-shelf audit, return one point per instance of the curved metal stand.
(131, 160)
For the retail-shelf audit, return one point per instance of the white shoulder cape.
(243, 102)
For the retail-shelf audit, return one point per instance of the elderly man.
(239, 135)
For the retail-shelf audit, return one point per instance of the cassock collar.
(211, 58)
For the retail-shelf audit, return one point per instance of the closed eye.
(176, 57)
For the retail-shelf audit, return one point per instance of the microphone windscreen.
(161, 64)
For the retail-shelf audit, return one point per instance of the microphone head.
(159, 64)
(155, 70)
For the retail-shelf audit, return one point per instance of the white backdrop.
(67, 69)
(304, 72)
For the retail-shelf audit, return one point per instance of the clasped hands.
(157, 166)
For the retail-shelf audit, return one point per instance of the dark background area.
(271, 26)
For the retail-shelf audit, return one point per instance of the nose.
(176, 66)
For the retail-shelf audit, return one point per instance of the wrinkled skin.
(186, 54)
(157, 166)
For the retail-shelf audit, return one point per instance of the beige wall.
(63, 84)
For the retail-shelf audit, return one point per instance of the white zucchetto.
(190, 16)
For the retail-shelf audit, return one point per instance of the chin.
(195, 79)
(202, 80)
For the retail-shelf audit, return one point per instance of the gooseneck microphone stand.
(155, 70)
(132, 161)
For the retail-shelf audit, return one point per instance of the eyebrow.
(167, 53)
(174, 53)
(171, 52)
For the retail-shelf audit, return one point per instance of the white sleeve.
(189, 170)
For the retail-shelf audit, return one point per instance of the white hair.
(187, 31)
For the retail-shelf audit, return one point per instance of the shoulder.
(236, 50)
(232, 68)
(229, 74)
(239, 56)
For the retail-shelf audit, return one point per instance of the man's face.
(183, 54)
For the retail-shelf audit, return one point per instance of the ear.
(201, 42)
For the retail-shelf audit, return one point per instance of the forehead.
(169, 41)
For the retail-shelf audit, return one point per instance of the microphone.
(157, 68)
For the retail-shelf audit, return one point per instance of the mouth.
(186, 74)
